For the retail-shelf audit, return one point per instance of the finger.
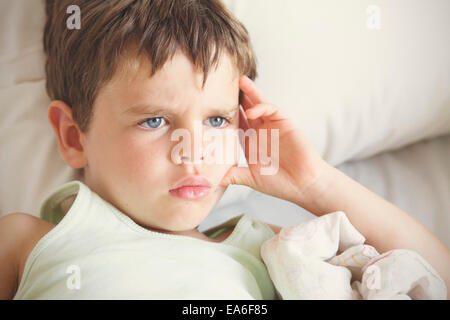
(260, 110)
(247, 104)
(238, 175)
(250, 89)
(273, 112)
(268, 111)
(243, 123)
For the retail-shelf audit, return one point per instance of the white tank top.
(97, 252)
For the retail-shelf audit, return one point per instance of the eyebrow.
(146, 109)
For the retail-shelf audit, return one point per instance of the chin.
(187, 215)
(183, 219)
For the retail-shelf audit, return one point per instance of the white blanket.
(326, 258)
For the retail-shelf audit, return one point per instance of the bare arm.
(384, 225)
(304, 178)
(9, 248)
(19, 233)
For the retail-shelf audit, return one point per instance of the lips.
(191, 188)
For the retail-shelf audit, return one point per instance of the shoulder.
(20, 232)
(23, 227)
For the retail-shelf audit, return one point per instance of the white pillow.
(415, 178)
(317, 60)
(30, 164)
(21, 54)
(353, 90)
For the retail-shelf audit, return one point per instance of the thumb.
(238, 175)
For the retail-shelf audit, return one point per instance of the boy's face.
(129, 153)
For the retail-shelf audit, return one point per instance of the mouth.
(191, 188)
(190, 192)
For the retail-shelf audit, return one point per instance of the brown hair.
(81, 61)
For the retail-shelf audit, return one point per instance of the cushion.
(355, 90)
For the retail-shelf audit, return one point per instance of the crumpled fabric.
(326, 258)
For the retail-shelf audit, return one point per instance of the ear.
(69, 136)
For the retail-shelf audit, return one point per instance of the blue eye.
(154, 123)
(216, 122)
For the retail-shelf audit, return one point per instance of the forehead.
(177, 82)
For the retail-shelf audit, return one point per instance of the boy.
(134, 73)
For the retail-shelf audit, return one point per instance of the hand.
(299, 164)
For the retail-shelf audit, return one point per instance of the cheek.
(139, 156)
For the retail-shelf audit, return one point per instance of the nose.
(190, 149)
